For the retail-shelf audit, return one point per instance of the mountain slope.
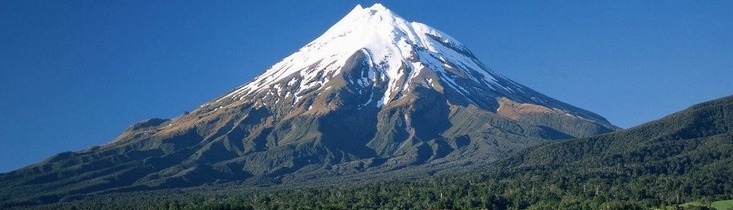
(684, 157)
(699, 128)
(374, 93)
(687, 156)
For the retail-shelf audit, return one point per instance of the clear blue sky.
(74, 74)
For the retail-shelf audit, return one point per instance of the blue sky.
(74, 74)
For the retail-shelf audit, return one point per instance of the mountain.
(374, 93)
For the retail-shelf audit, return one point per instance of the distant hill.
(682, 157)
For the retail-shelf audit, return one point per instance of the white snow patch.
(389, 43)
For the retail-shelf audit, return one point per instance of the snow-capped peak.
(391, 43)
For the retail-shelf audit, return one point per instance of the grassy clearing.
(695, 203)
(719, 205)
(723, 205)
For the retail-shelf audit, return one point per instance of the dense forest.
(536, 189)
(684, 157)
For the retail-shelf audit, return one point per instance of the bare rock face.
(374, 93)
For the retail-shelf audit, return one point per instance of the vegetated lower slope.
(687, 156)
(683, 157)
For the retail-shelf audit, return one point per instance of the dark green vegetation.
(685, 157)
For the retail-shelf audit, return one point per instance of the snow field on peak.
(397, 49)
